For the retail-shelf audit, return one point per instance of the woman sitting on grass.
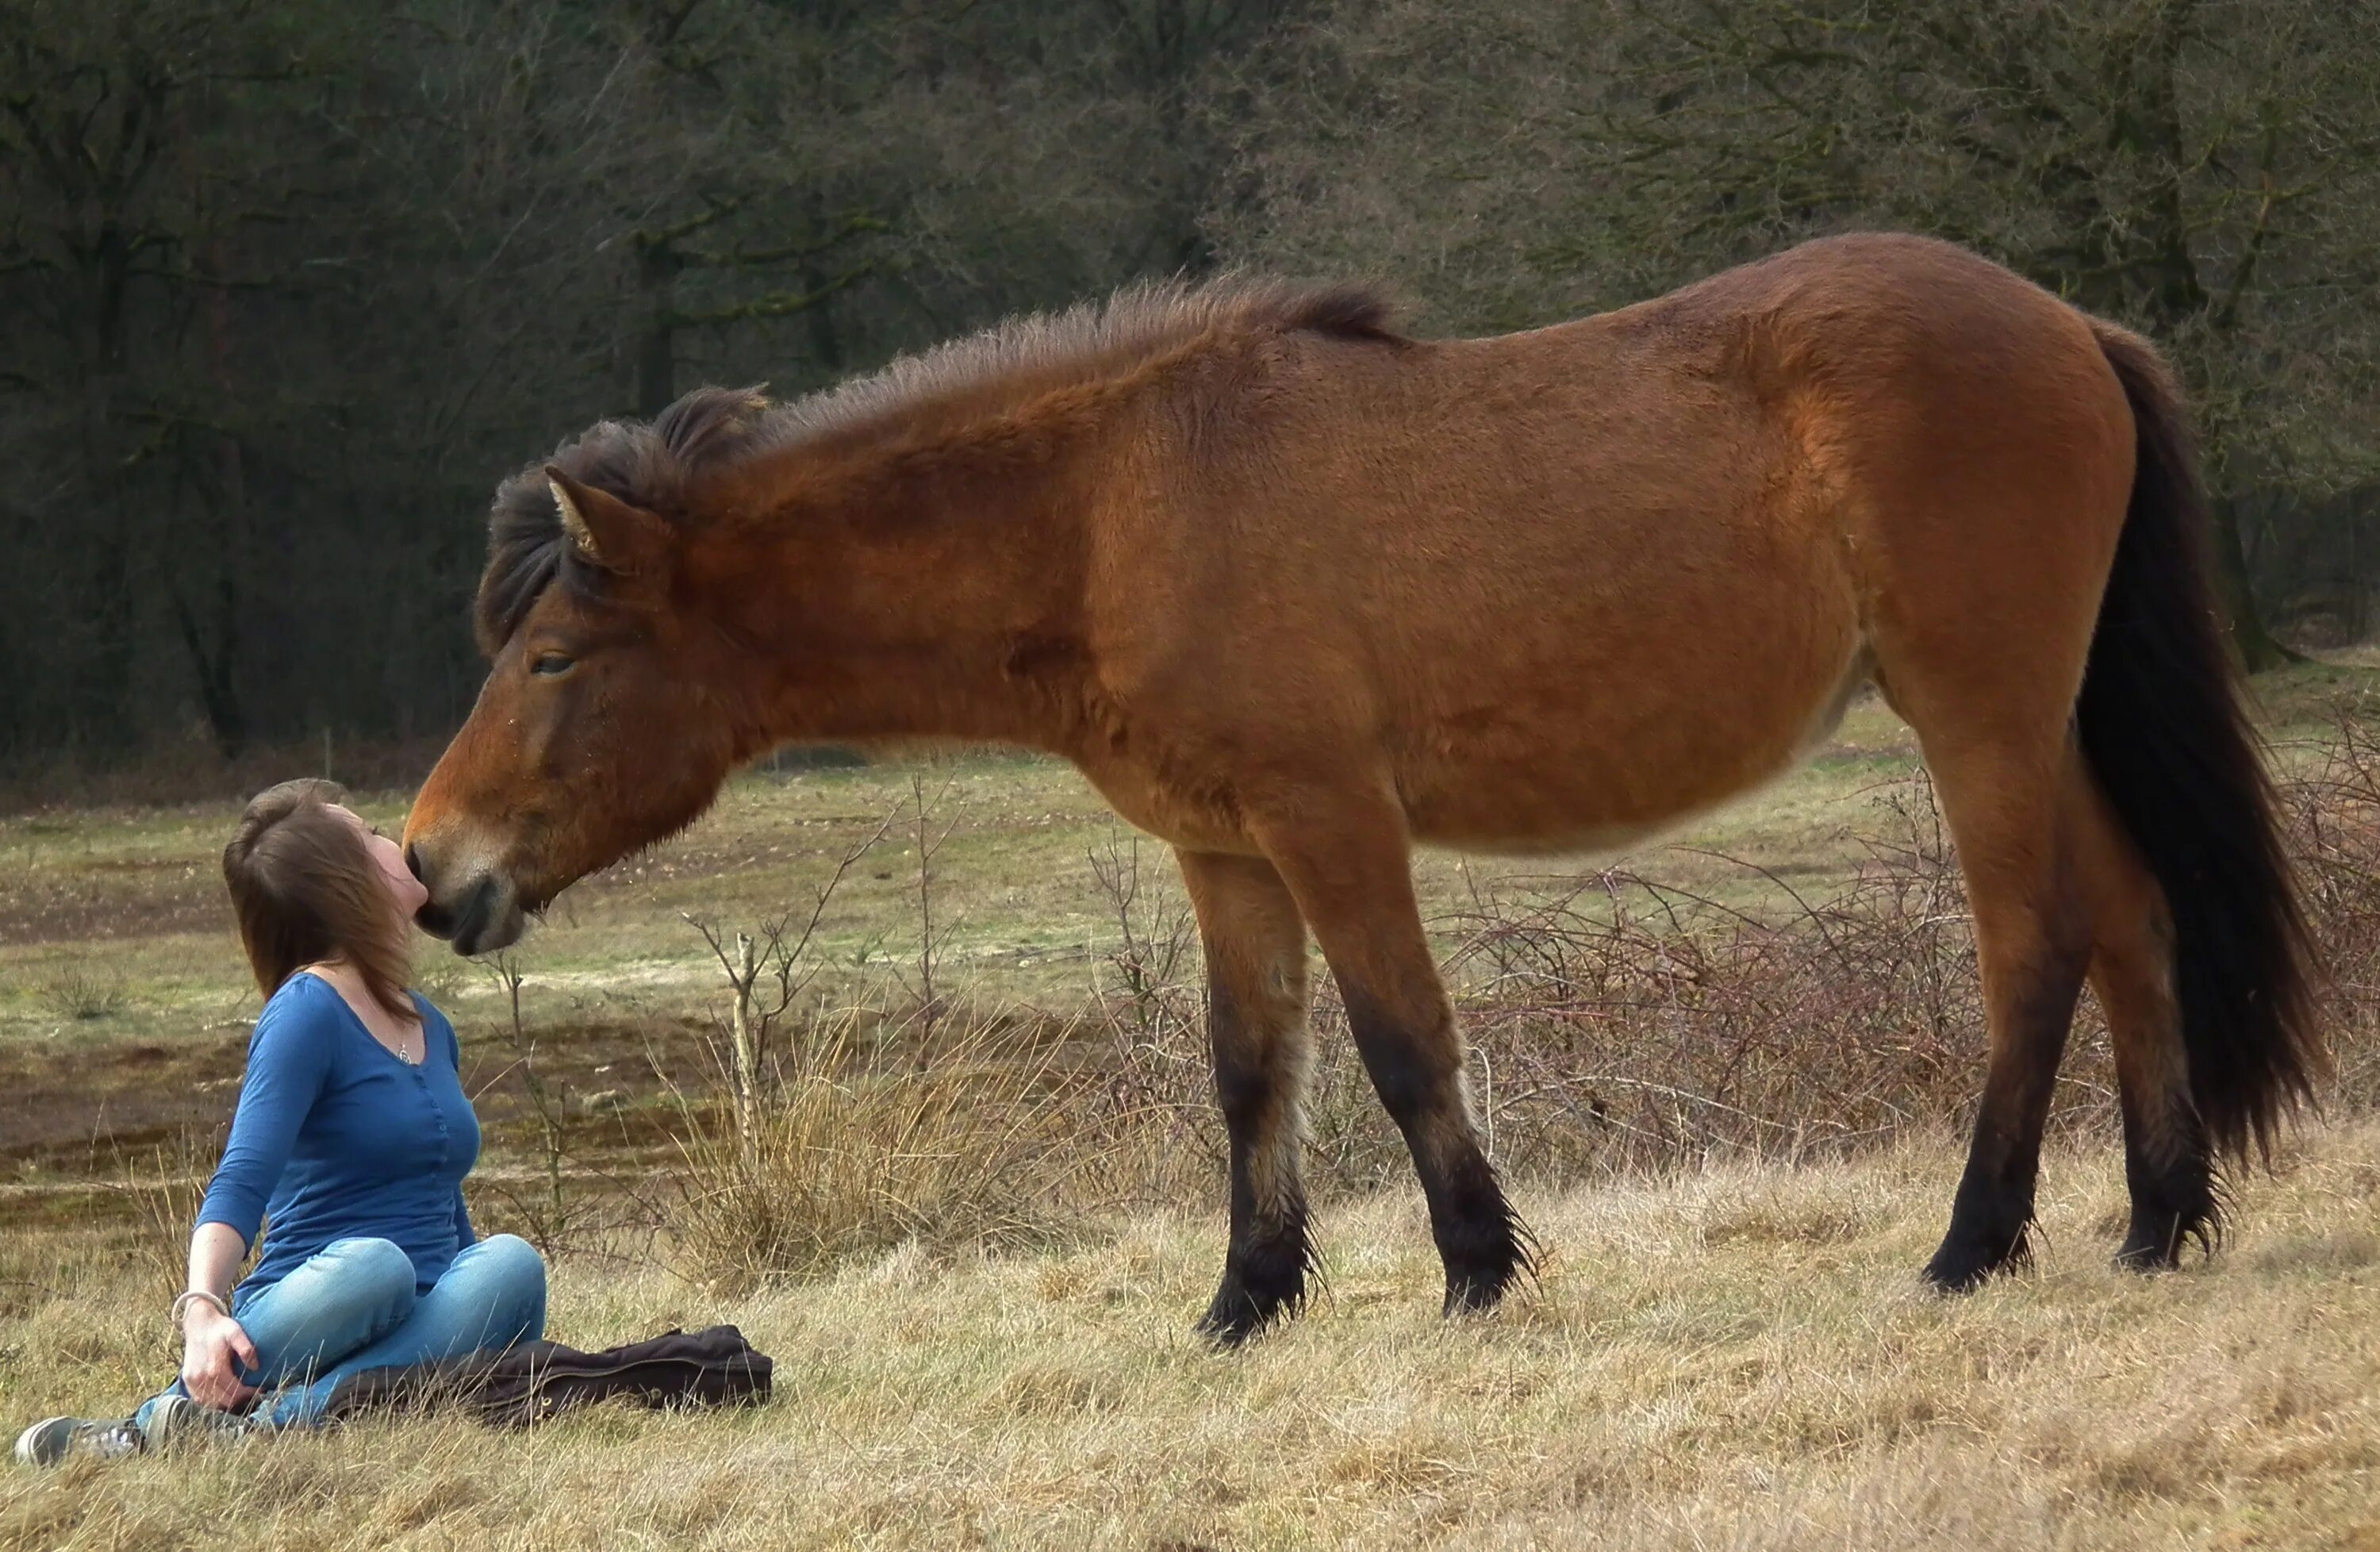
(353, 1135)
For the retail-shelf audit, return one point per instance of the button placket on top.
(437, 1111)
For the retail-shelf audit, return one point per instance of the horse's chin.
(496, 937)
(489, 918)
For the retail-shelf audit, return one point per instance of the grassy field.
(1732, 1359)
(996, 1352)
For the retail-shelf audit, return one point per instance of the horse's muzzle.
(486, 918)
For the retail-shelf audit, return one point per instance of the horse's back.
(1570, 585)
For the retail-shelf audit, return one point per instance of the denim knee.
(515, 1279)
(365, 1261)
(366, 1274)
(349, 1293)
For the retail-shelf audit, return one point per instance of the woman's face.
(406, 893)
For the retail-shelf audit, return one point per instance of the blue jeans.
(351, 1306)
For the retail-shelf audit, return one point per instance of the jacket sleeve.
(288, 1061)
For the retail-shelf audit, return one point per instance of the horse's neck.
(939, 600)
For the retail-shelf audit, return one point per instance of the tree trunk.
(101, 680)
(657, 270)
(2252, 643)
(215, 651)
(826, 341)
(216, 666)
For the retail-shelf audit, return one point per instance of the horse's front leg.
(1256, 1021)
(1348, 864)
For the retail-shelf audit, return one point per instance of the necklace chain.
(402, 1048)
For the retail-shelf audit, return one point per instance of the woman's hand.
(210, 1340)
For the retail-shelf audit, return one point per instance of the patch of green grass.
(82, 994)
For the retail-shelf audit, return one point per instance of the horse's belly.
(1509, 814)
(1607, 777)
(1589, 840)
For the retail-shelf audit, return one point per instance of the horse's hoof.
(1963, 1265)
(1476, 1296)
(1240, 1311)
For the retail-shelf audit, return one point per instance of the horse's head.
(609, 716)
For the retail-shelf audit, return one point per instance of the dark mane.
(646, 463)
(650, 463)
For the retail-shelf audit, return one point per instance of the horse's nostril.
(413, 858)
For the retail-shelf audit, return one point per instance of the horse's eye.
(551, 662)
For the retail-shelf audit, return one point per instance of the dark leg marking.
(1418, 1075)
(1271, 1248)
(1994, 1207)
(1256, 1028)
(2177, 1195)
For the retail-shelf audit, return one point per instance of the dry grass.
(870, 1138)
(974, 1222)
(1738, 1358)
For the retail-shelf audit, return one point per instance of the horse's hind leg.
(1348, 863)
(2009, 803)
(1256, 1022)
(2057, 886)
(2169, 1164)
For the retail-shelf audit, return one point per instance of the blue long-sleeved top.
(338, 1137)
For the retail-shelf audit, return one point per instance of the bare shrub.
(547, 1217)
(855, 1131)
(2333, 811)
(928, 989)
(1148, 1005)
(80, 996)
(1619, 1024)
(767, 972)
(966, 1144)
(1623, 1024)
(584, 1198)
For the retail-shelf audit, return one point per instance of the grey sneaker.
(177, 1420)
(53, 1438)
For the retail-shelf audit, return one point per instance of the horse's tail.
(2161, 721)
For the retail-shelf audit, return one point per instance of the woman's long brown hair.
(304, 891)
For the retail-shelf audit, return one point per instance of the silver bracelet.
(182, 1303)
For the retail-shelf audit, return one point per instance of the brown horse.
(1297, 592)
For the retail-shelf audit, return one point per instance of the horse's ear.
(605, 530)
